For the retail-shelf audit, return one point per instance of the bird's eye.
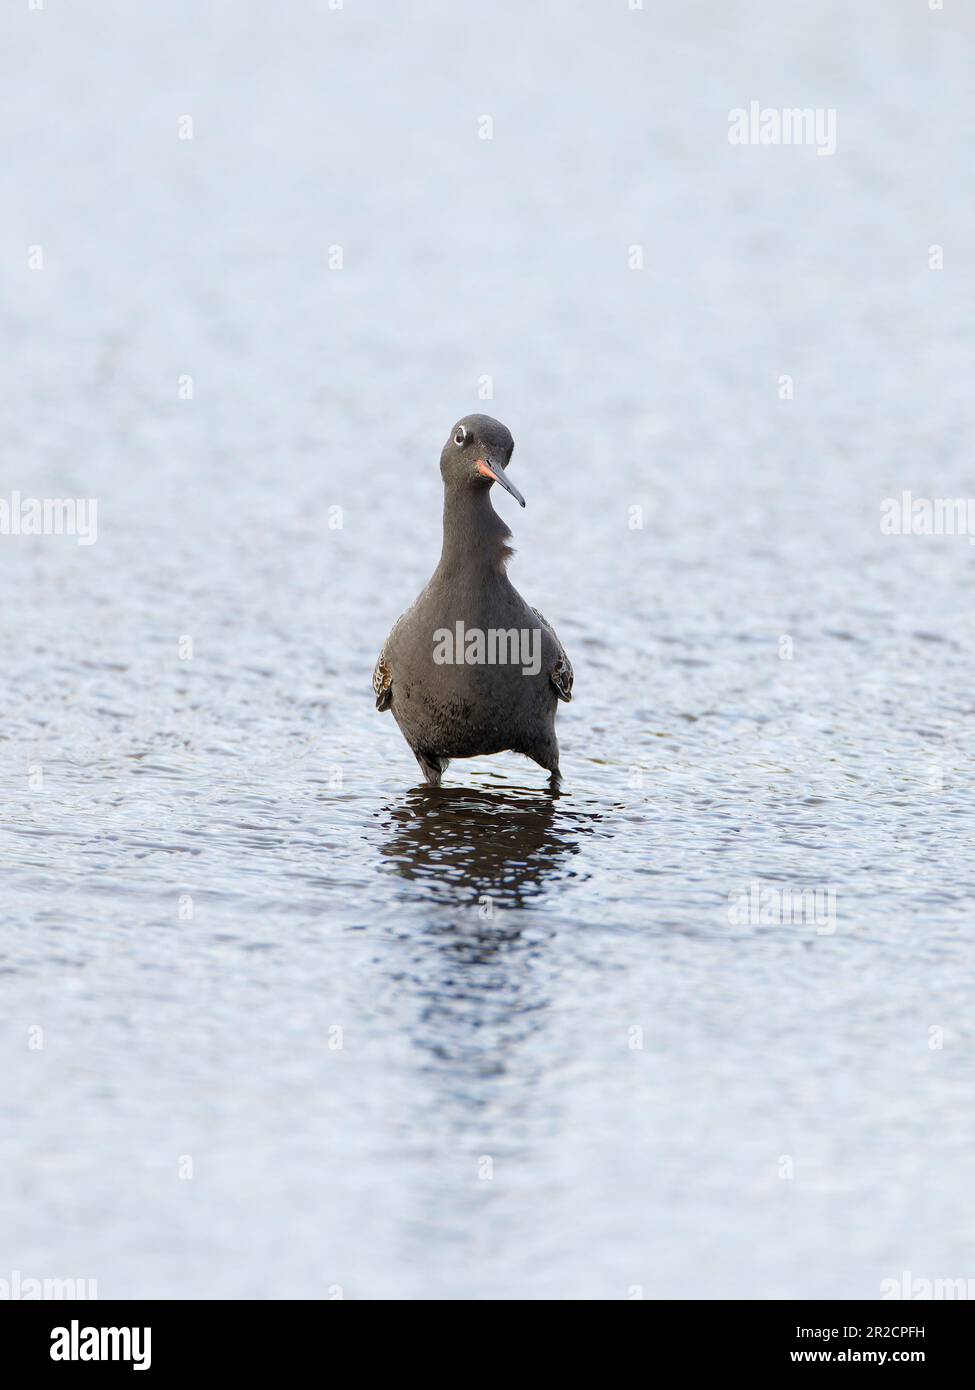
(460, 436)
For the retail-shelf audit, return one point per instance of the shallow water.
(486, 1042)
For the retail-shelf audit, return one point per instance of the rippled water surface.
(486, 1041)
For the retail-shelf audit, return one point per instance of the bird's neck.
(474, 536)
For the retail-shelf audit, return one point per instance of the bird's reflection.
(475, 981)
(467, 844)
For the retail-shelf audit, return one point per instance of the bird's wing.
(562, 676)
(382, 682)
(561, 673)
(382, 677)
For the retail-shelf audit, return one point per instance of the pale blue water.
(380, 990)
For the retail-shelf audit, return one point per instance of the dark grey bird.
(471, 668)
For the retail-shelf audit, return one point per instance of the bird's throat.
(474, 536)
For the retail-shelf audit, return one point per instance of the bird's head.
(477, 454)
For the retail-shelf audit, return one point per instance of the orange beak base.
(496, 473)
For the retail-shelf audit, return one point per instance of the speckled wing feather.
(561, 673)
(382, 682)
(382, 677)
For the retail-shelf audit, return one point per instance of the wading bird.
(471, 668)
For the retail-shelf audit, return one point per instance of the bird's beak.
(494, 471)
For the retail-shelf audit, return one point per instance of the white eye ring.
(460, 436)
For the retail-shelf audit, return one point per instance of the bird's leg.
(548, 757)
(431, 767)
